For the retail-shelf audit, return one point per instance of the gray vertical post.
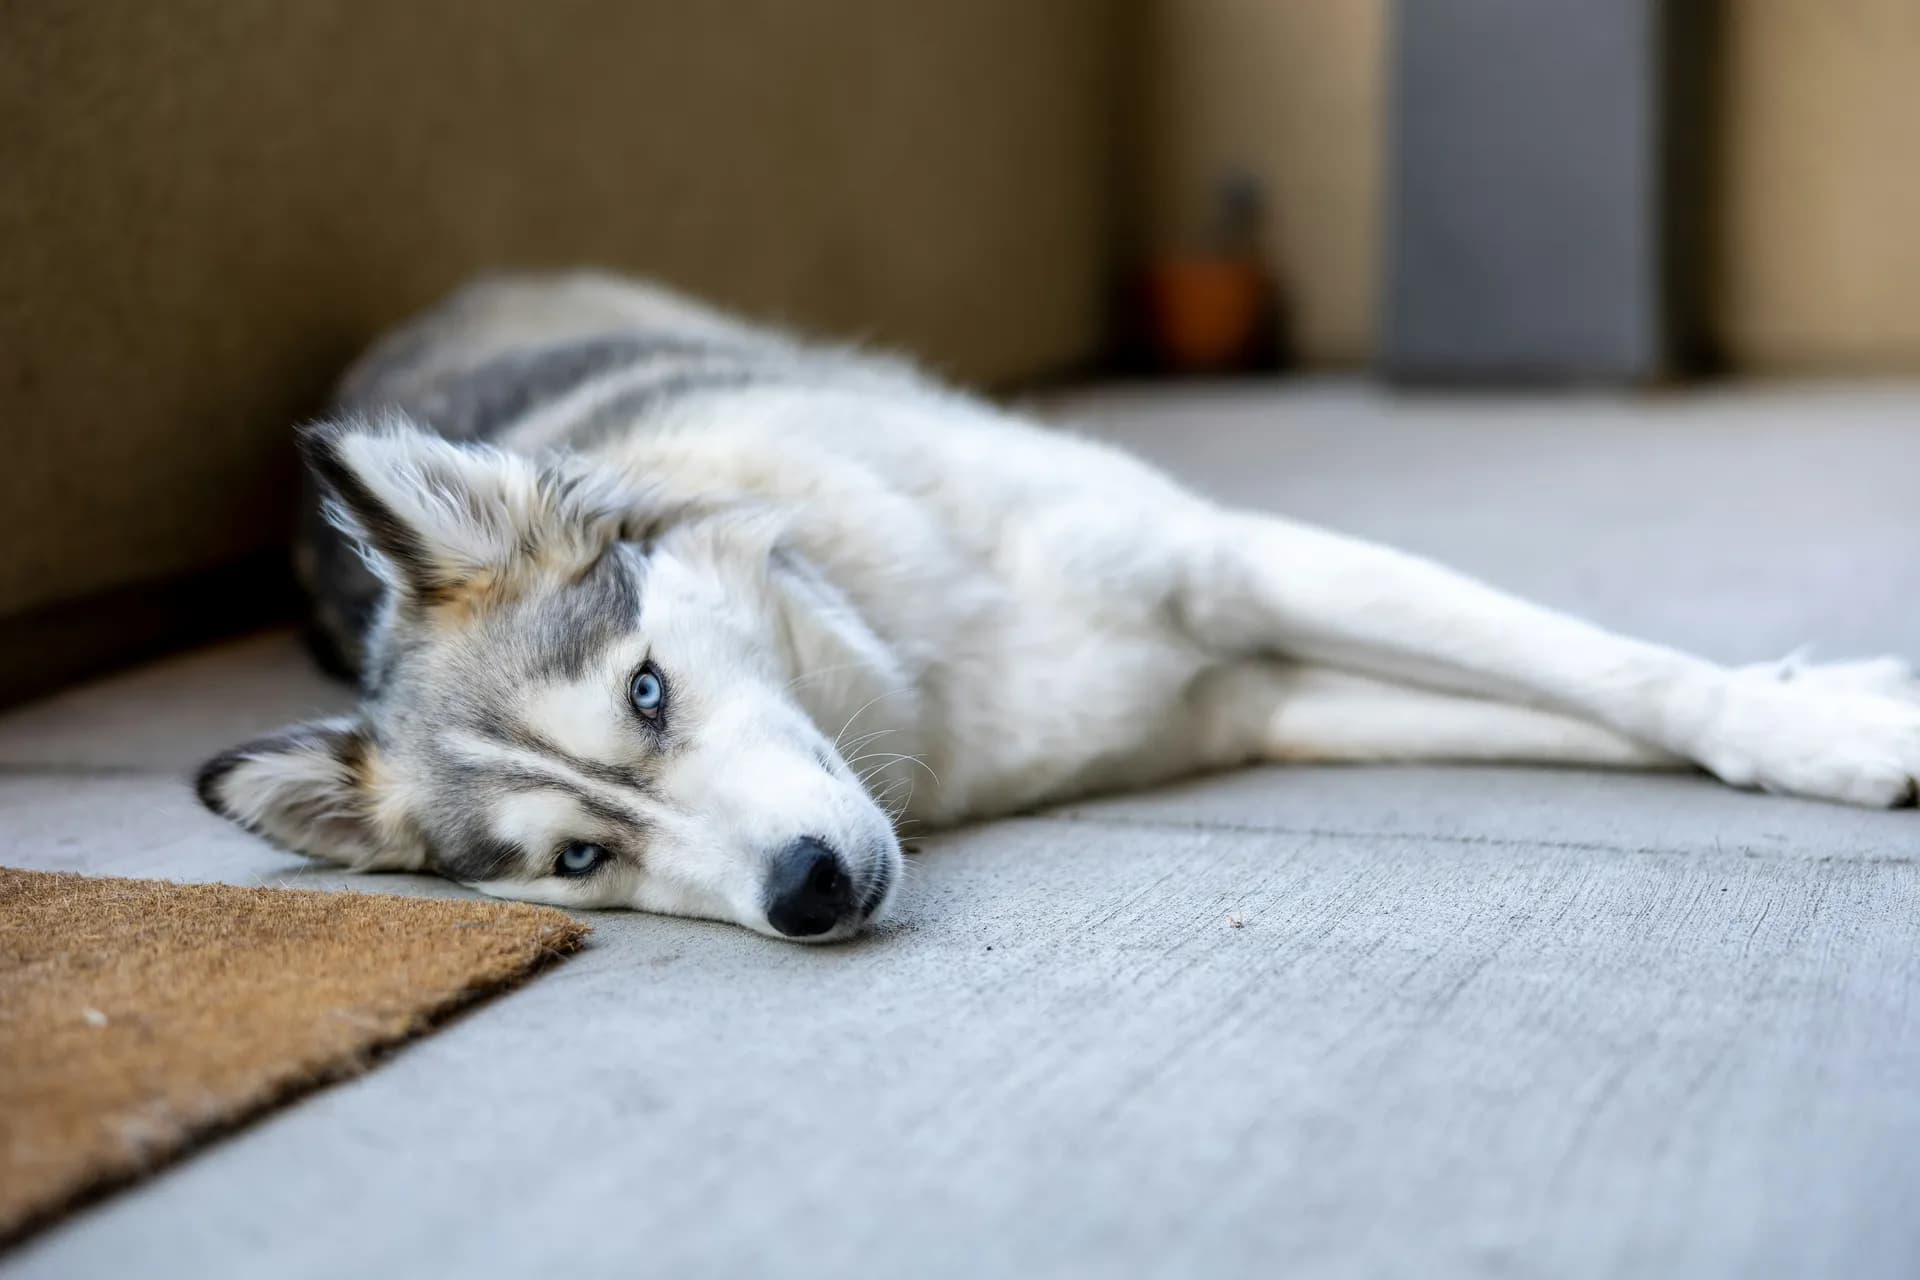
(1529, 192)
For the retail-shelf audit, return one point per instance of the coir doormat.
(139, 1017)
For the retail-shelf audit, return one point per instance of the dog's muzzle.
(810, 891)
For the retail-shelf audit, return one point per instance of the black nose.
(808, 891)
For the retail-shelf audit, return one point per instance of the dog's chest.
(1049, 702)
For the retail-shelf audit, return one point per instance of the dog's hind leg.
(1273, 710)
(1260, 585)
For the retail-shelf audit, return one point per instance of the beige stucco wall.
(208, 206)
(1818, 262)
(1815, 257)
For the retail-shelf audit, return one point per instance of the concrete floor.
(1472, 1022)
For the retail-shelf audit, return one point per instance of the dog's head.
(575, 696)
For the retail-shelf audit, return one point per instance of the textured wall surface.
(208, 207)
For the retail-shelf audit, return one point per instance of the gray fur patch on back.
(478, 403)
(637, 402)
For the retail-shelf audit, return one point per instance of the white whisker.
(865, 738)
(821, 673)
(890, 756)
(890, 693)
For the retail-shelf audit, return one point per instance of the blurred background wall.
(1816, 184)
(209, 207)
(1814, 192)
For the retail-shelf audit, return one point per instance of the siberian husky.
(653, 608)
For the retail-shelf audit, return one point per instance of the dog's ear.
(310, 788)
(436, 516)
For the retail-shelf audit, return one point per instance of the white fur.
(582, 717)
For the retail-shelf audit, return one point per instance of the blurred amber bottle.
(1218, 308)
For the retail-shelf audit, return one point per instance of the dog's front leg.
(1263, 585)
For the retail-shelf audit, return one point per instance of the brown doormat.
(138, 1017)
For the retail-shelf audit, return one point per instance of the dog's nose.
(808, 891)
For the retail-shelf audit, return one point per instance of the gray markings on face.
(513, 781)
(476, 855)
(468, 790)
(466, 847)
(574, 626)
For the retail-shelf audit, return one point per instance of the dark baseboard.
(52, 647)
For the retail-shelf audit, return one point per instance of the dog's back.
(546, 329)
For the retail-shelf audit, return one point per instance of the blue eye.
(648, 692)
(579, 859)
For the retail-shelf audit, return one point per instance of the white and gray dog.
(656, 609)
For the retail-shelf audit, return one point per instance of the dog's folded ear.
(311, 788)
(435, 516)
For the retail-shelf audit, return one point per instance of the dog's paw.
(1847, 731)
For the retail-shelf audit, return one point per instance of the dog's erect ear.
(435, 516)
(309, 788)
